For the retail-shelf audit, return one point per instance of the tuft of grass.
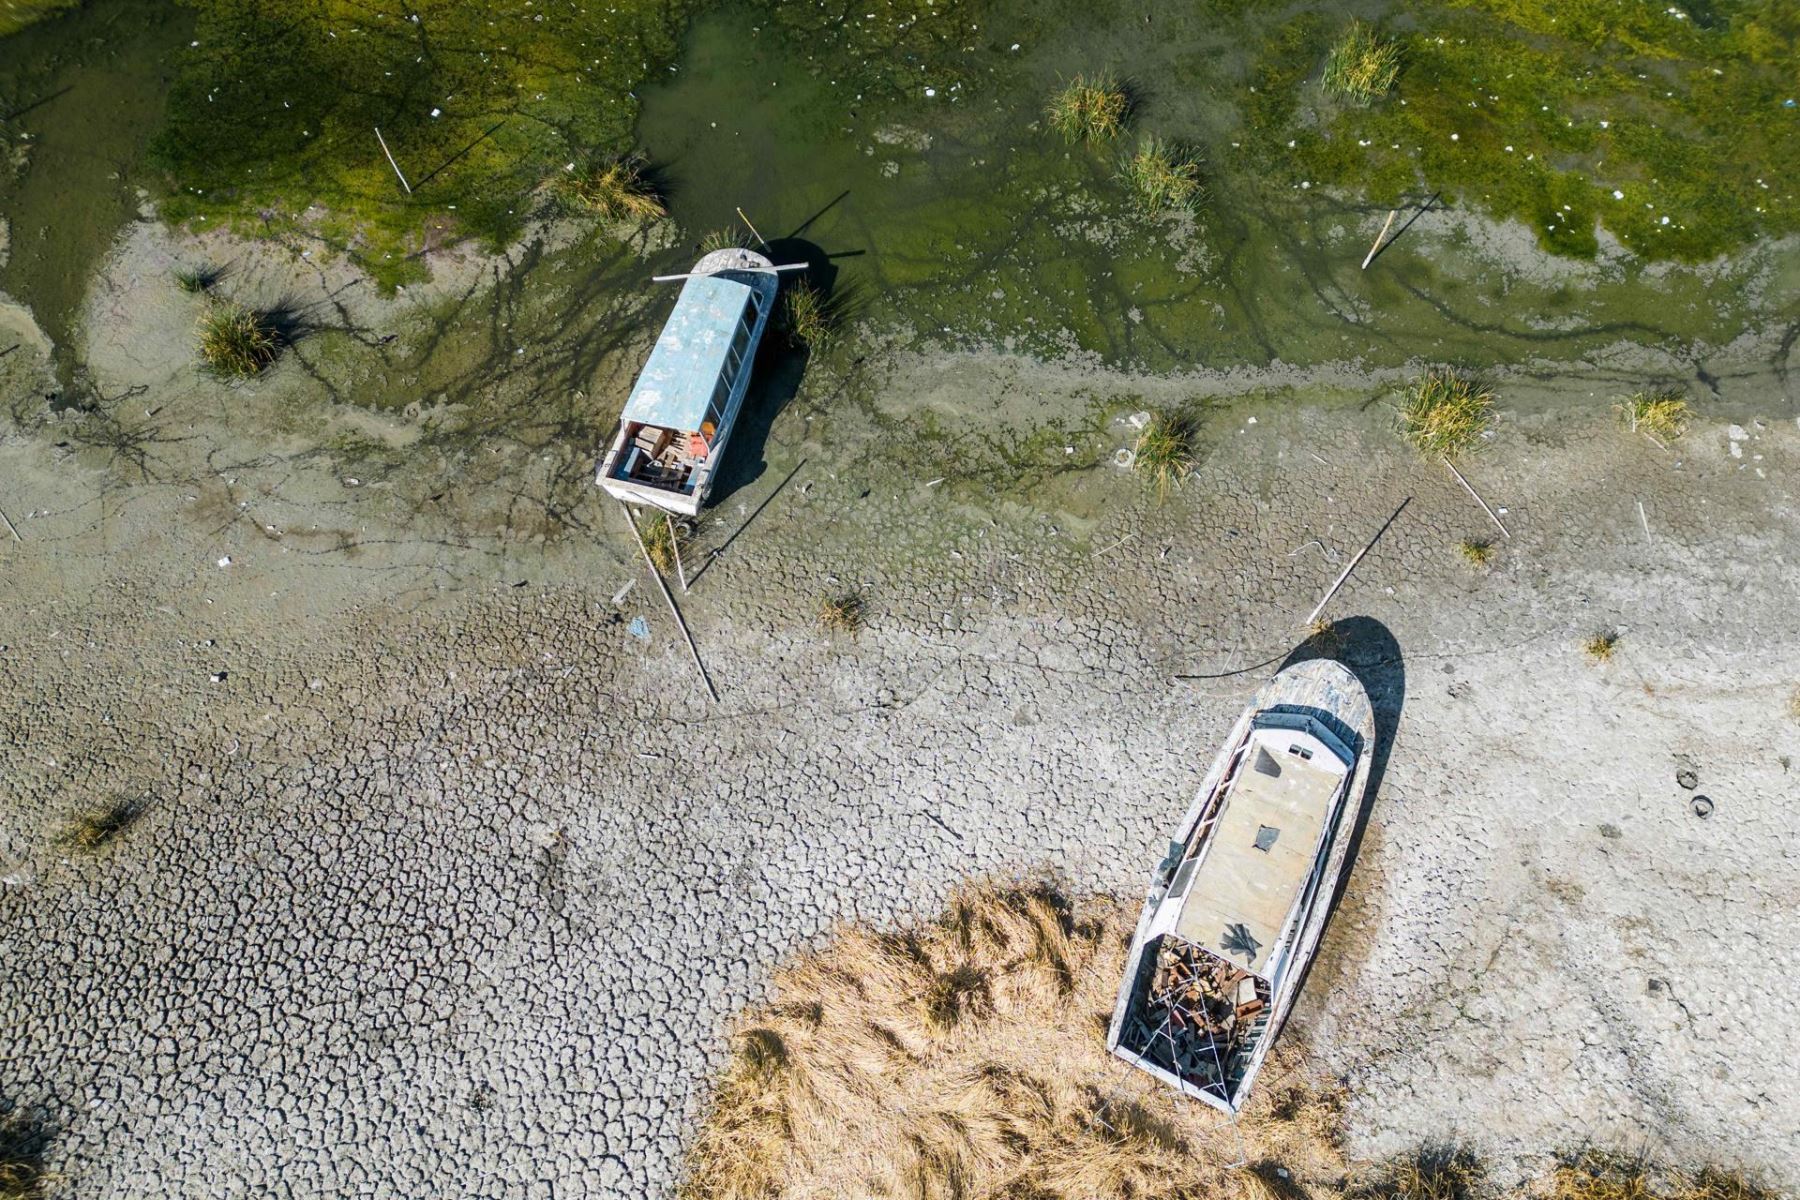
(1432, 1172)
(842, 613)
(1362, 67)
(93, 827)
(1163, 177)
(1445, 415)
(1477, 552)
(1599, 647)
(22, 1174)
(1593, 1174)
(197, 280)
(236, 342)
(660, 541)
(728, 238)
(1324, 636)
(965, 1056)
(1090, 109)
(614, 188)
(1659, 416)
(807, 318)
(1166, 449)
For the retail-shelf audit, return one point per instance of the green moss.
(17, 14)
(1671, 134)
(276, 105)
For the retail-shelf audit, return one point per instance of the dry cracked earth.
(434, 877)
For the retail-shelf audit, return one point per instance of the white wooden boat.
(1237, 906)
(681, 411)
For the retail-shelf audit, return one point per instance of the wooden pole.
(675, 549)
(1351, 566)
(11, 526)
(701, 274)
(397, 171)
(1386, 225)
(675, 612)
(752, 228)
(1484, 508)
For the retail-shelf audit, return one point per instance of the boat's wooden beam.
(699, 274)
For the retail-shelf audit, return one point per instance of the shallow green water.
(957, 216)
(82, 94)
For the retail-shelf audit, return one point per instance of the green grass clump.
(807, 319)
(1166, 450)
(616, 189)
(841, 613)
(1477, 552)
(1445, 415)
(236, 342)
(1163, 177)
(1361, 66)
(94, 827)
(1659, 416)
(196, 280)
(660, 541)
(1599, 647)
(1090, 109)
(728, 238)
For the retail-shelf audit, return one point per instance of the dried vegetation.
(1445, 415)
(1090, 109)
(1659, 416)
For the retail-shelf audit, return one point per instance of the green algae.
(272, 119)
(1671, 132)
(17, 14)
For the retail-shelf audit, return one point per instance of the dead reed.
(841, 613)
(1445, 415)
(965, 1057)
(1600, 647)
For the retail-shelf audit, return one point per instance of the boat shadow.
(780, 369)
(1367, 647)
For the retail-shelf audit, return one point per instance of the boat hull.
(1325, 697)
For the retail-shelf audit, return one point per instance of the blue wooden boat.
(681, 411)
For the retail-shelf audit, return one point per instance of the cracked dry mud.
(441, 882)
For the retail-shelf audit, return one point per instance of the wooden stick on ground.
(11, 526)
(1351, 566)
(675, 612)
(675, 549)
(746, 221)
(1385, 226)
(397, 171)
(1484, 508)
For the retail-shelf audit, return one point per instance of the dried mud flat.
(435, 878)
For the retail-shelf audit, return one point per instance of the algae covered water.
(949, 208)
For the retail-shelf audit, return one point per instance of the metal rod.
(675, 549)
(1392, 213)
(746, 221)
(1484, 508)
(1351, 566)
(702, 274)
(675, 612)
(391, 162)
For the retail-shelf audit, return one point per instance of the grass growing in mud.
(1166, 450)
(235, 342)
(1659, 416)
(1163, 177)
(661, 541)
(966, 1057)
(842, 613)
(1445, 415)
(1477, 552)
(1672, 134)
(1361, 66)
(1599, 648)
(1089, 108)
(94, 827)
(615, 189)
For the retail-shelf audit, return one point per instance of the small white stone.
(225, 560)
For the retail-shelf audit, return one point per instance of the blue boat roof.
(684, 366)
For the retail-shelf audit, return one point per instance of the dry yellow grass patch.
(1601, 1175)
(966, 1058)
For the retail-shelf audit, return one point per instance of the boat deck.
(1264, 847)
